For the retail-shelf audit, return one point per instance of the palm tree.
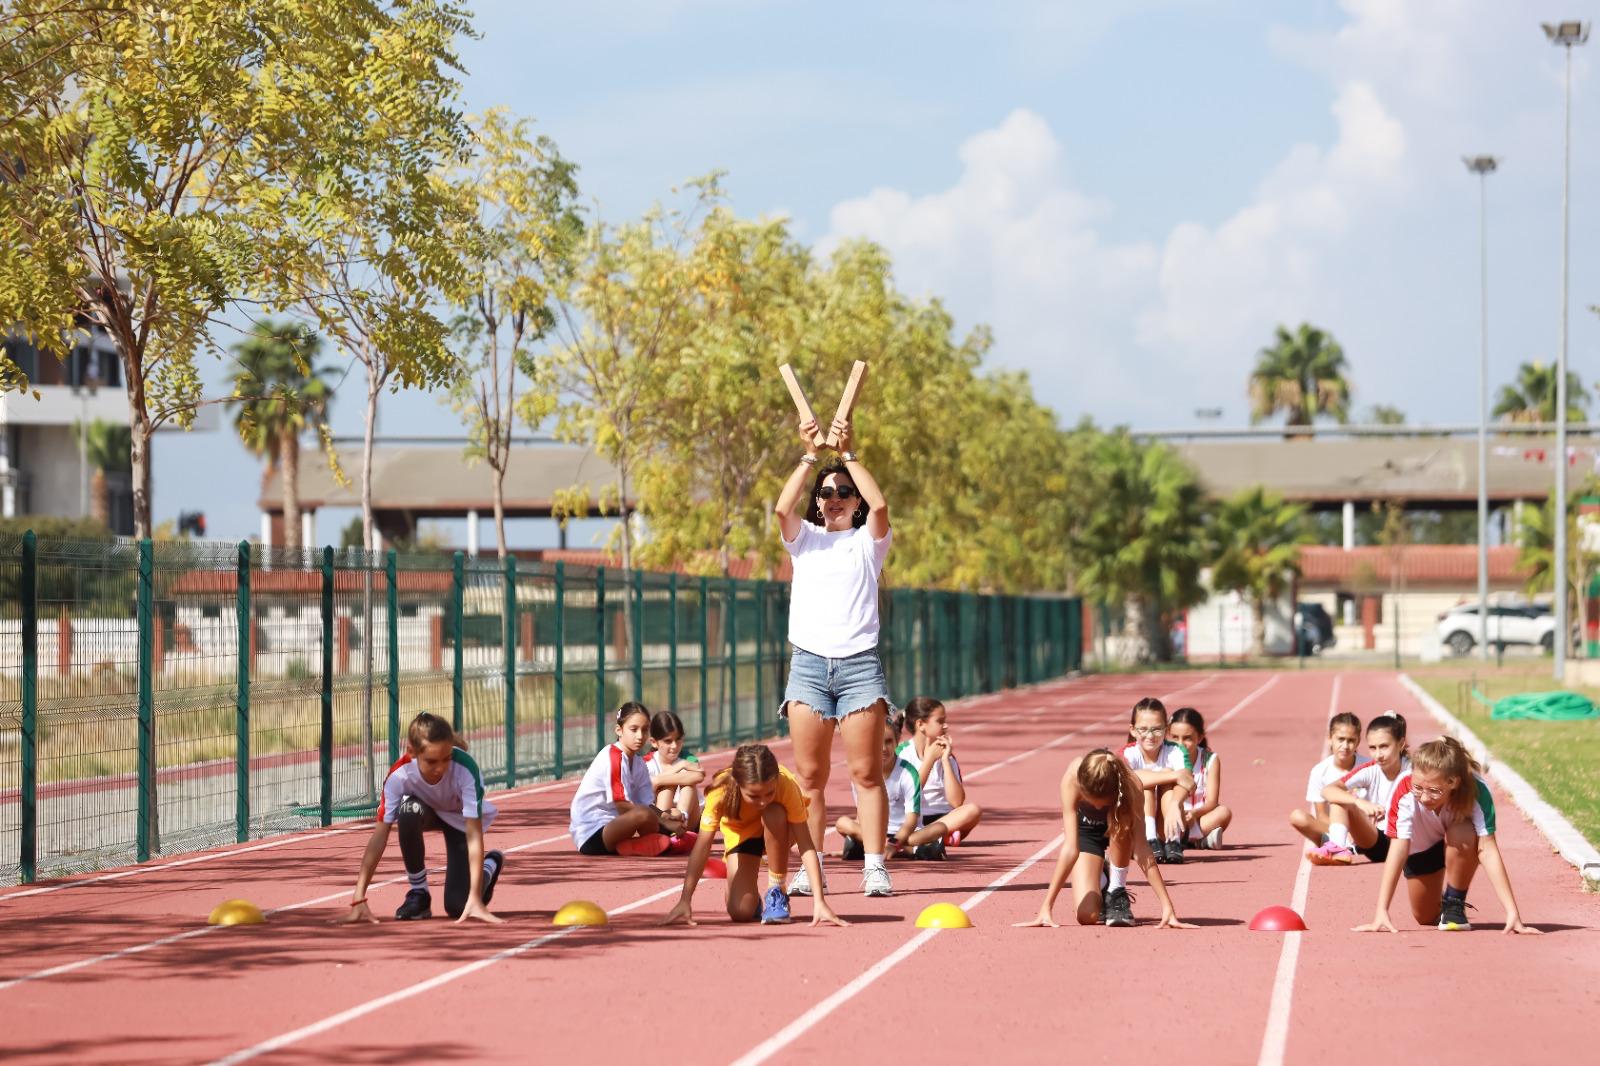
(109, 449)
(1142, 544)
(279, 392)
(1303, 375)
(1255, 543)
(1532, 397)
(1536, 553)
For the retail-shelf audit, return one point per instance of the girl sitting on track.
(1100, 810)
(1163, 770)
(614, 811)
(759, 809)
(1441, 827)
(1344, 736)
(903, 783)
(931, 750)
(675, 775)
(438, 787)
(1204, 816)
(1358, 801)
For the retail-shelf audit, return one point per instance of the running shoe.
(933, 851)
(1175, 852)
(681, 843)
(417, 904)
(1117, 908)
(1453, 915)
(499, 859)
(953, 839)
(775, 907)
(875, 882)
(1214, 839)
(650, 845)
(1331, 854)
(801, 885)
(853, 850)
(1158, 849)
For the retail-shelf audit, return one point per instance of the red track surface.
(300, 990)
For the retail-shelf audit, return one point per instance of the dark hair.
(1190, 717)
(631, 708)
(428, 728)
(1103, 776)
(1344, 718)
(895, 721)
(665, 723)
(1393, 723)
(814, 513)
(753, 764)
(920, 709)
(1149, 703)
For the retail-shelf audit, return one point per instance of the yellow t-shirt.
(748, 824)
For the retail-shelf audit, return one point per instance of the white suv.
(1527, 624)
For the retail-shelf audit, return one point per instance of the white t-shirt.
(1368, 782)
(1410, 820)
(1208, 759)
(934, 799)
(833, 599)
(1170, 757)
(1323, 774)
(905, 795)
(683, 794)
(613, 776)
(457, 797)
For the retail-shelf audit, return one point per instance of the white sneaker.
(875, 882)
(1214, 839)
(801, 885)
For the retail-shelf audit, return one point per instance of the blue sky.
(1131, 195)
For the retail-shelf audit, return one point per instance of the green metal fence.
(165, 697)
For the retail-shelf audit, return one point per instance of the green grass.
(1560, 759)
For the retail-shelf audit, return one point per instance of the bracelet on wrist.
(809, 459)
(848, 457)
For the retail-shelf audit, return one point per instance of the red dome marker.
(1277, 920)
(716, 868)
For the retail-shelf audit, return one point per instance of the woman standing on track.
(836, 680)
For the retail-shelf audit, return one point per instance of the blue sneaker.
(775, 907)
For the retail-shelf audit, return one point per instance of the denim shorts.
(835, 688)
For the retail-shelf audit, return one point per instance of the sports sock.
(1117, 878)
(418, 879)
(1452, 892)
(1339, 834)
(874, 861)
(1150, 827)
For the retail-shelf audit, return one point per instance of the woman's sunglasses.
(844, 492)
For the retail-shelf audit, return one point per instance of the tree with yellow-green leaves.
(164, 164)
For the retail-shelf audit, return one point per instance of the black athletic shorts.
(596, 845)
(1428, 861)
(1379, 850)
(928, 818)
(754, 846)
(1093, 837)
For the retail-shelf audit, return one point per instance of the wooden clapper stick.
(847, 402)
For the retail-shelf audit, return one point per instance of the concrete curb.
(1566, 840)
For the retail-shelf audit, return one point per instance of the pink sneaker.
(953, 839)
(1331, 854)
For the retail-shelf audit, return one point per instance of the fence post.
(672, 642)
(761, 652)
(561, 666)
(705, 670)
(325, 753)
(731, 595)
(145, 828)
(28, 841)
(241, 802)
(391, 577)
(638, 635)
(600, 637)
(458, 595)
(511, 669)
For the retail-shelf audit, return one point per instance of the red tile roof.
(1446, 565)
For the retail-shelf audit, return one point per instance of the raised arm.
(866, 484)
(791, 506)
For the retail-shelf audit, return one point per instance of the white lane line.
(1275, 1040)
(363, 1009)
(1273, 680)
(149, 945)
(781, 1040)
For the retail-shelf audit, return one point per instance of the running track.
(121, 968)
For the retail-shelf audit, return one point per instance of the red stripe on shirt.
(397, 764)
(1356, 771)
(618, 793)
(1402, 788)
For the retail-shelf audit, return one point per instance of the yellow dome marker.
(580, 912)
(236, 912)
(943, 916)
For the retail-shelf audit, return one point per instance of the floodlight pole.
(1563, 35)
(1483, 166)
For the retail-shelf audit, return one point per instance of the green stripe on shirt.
(459, 756)
(1486, 802)
(916, 779)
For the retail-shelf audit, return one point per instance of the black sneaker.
(1117, 907)
(499, 858)
(1159, 850)
(1175, 852)
(853, 849)
(417, 904)
(1453, 915)
(932, 850)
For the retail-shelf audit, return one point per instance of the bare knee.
(1300, 819)
(744, 909)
